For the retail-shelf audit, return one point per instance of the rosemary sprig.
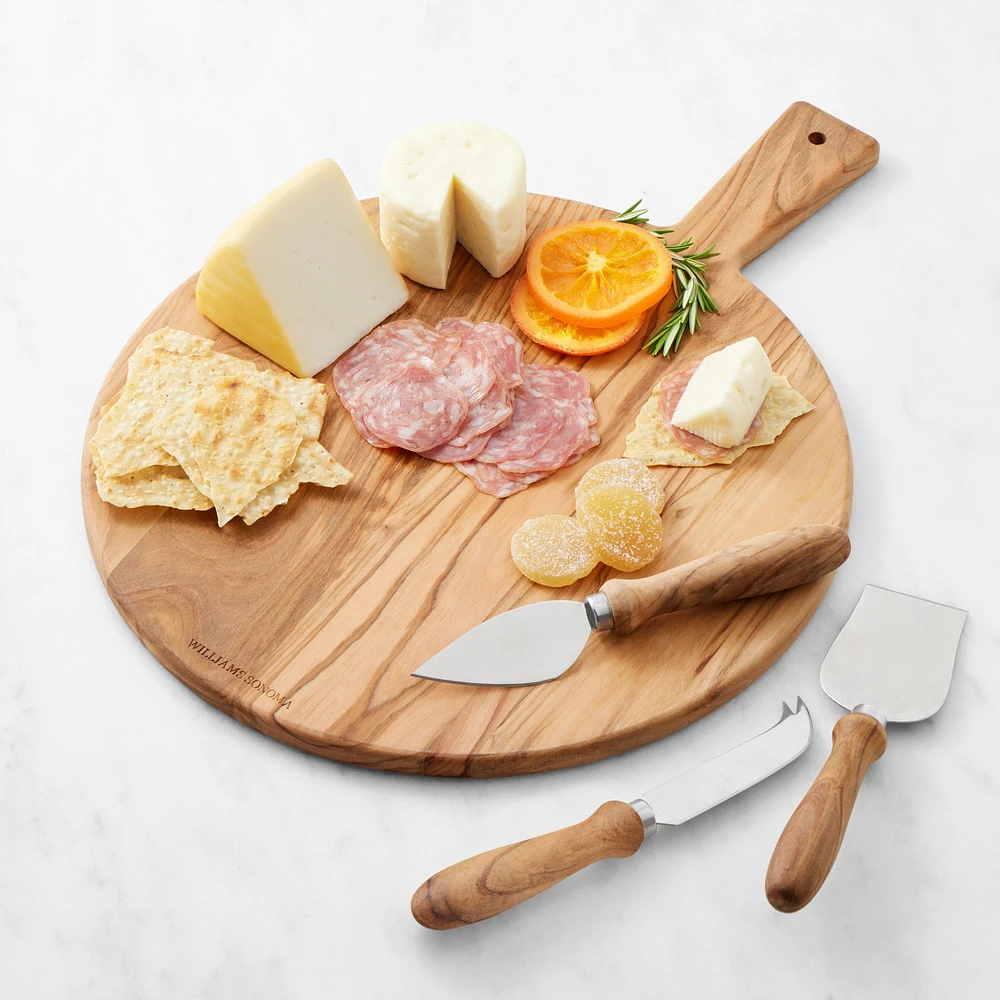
(690, 285)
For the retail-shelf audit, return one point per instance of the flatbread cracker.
(244, 437)
(123, 438)
(180, 381)
(157, 485)
(306, 395)
(652, 442)
(313, 464)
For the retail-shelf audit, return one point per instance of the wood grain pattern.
(490, 883)
(761, 565)
(307, 625)
(811, 840)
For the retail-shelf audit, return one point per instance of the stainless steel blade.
(693, 792)
(526, 645)
(897, 653)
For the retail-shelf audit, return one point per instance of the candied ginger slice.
(623, 472)
(552, 550)
(621, 525)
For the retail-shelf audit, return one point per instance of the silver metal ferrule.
(599, 613)
(876, 713)
(646, 814)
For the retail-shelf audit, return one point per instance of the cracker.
(306, 395)
(175, 341)
(157, 485)
(313, 464)
(244, 437)
(123, 438)
(180, 381)
(111, 402)
(652, 442)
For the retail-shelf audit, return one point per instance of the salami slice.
(456, 325)
(491, 412)
(534, 421)
(489, 479)
(557, 451)
(365, 363)
(556, 382)
(384, 349)
(504, 347)
(588, 410)
(671, 389)
(593, 439)
(471, 371)
(450, 452)
(415, 407)
(416, 338)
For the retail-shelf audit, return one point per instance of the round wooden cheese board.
(308, 625)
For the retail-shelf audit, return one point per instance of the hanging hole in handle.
(816, 138)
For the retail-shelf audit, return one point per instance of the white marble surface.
(154, 848)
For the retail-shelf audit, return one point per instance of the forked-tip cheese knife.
(540, 642)
(490, 883)
(891, 662)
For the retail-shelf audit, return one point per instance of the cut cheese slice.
(725, 393)
(301, 276)
(452, 180)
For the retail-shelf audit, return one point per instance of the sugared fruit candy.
(623, 472)
(621, 526)
(552, 550)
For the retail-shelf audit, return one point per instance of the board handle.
(761, 565)
(808, 846)
(490, 883)
(802, 161)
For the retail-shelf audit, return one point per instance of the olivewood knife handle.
(490, 883)
(761, 565)
(802, 161)
(808, 846)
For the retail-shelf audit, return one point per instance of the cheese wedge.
(725, 393)
(301, 276)
(452, 180)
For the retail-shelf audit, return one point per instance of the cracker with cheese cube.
(654, 441)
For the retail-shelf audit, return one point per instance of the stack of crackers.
(195, 429)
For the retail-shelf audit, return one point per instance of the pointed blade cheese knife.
(891, 662)
(540, 642)
(490, 883)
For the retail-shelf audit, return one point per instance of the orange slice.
(598, 274)
(566, 338)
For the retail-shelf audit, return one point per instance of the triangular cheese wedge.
(301, 276)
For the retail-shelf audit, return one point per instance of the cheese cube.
(452, 180)
(725, 393)
(301, 276)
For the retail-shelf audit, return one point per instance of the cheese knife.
(540, 642)
(891, 662)
(490, 883)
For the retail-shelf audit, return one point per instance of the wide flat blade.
(679, 799)
(897, 653)
(526, 645)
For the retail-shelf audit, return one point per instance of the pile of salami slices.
(460, 393)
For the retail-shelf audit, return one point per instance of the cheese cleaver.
(539, 642)
(490, 883)
(891, 662)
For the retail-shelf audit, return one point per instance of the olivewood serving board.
(307, 625)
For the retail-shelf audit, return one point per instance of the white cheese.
(301, 276)
(452, 180)
(725, 393)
